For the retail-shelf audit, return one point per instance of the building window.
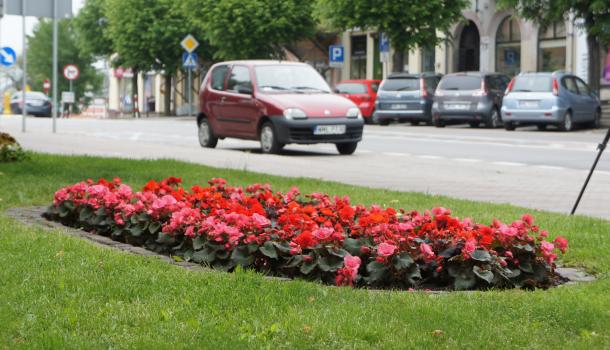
(508, 47)
(552, 47)
(358, 58)
(428, 58)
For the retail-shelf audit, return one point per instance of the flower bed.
(10, 150)
(313, 236)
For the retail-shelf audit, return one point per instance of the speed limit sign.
(71, 72)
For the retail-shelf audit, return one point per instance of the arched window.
(552, 47)
(508, 47)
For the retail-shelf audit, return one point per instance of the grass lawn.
(61, 292)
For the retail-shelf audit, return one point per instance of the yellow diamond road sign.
(189, 43)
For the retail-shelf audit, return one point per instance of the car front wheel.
(206, 136)
(268, 139)
(494, 119)
(347, 148)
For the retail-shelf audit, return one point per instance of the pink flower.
(528, 219)
(323, 233)
(440, 211)
(470, 246)
(546, 247)
(385, 249)
(427, 251)
(351, 262)
(561, 243)
(260, 221)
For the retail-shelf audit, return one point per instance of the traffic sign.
(46, 86)
(67, 97)
(189, 60)
(71, 72)
(336, 55)
(8, 57)
(189, 43)
(384, 47)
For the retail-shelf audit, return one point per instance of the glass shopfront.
(358, 57)
(552, 47)
(508, 47)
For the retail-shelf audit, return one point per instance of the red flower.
(386, 249)
(561, 243)
(305, 240)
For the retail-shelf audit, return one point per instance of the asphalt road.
(542, 170)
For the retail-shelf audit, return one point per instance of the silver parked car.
(542, 99)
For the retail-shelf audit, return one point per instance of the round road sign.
(71, 72)
(46, 85)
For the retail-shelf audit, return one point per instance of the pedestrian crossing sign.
(189, 60)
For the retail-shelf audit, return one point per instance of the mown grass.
(61, 292)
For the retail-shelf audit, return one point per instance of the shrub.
(313, 236)
(10, 150)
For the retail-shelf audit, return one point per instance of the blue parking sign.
(336, 55)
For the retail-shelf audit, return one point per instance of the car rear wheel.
(493, 121)
(268, 139)
(509, 126)
(206, 136)
(567, 123)
(346, 148)
(541, 127)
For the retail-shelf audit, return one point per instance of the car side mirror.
(245, 89)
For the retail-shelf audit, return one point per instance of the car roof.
(263, 63)
(361, 81)
(402, 75)
(474, 74)
(545, 74)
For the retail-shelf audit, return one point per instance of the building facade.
(487, 39)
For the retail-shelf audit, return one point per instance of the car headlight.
(435, 105)
(294, 113)
(354, 112)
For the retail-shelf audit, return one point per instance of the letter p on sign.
(336, 55)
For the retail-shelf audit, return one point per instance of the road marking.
(429, 157)
(550, 167)
(509, 163)
(467, 160)
(395, 154)
(364, 151)
(603, 172)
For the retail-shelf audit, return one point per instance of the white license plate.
(35, 103)
(399, 106)
(457, 106)
(529, 104)
(329, 130)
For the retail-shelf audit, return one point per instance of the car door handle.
(222, 99)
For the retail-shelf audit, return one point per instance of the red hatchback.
(362, 92)
(277, 103)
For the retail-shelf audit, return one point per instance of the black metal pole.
(601, 148)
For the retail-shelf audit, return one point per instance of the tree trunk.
(398, 60)
(594, 70)
(134, 92)
(167, 96)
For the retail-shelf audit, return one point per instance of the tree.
(408, 24)
(91, 26)
(146, 34)
(594, 13)
(40, 58)
(247, 29)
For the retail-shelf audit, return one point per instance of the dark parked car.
(543, 99)
(470, 97)
(36, 104)
(276, 103)
(406, 97)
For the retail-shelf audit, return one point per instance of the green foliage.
(408, 24)
(40, 59)
(247, 29)
(91, 28)
(10, 150)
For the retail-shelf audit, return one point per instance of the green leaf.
(241, 256)
(268, 250)
(463, 282)
(376, 271)
(204, 255)
(352, 245)
(282, 247)
(526, 266)
(525, 247)
(403, 261)
(135, 231)
(294, 261)
(198, 242)
(485, 275)
(85, 214)
(330, 263)
(481, 255)
(154, 227)
(307, 267)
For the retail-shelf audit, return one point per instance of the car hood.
(313, 104)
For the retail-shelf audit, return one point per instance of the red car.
(277, 103)
(362, 92)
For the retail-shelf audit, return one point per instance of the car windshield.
(460, 82)
(407, 84)
(30, 96)
(533, 84)
(351, 88)
(289, 78)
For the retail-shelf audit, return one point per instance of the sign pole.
(55, 64)
(190, 95)
(25, 69)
